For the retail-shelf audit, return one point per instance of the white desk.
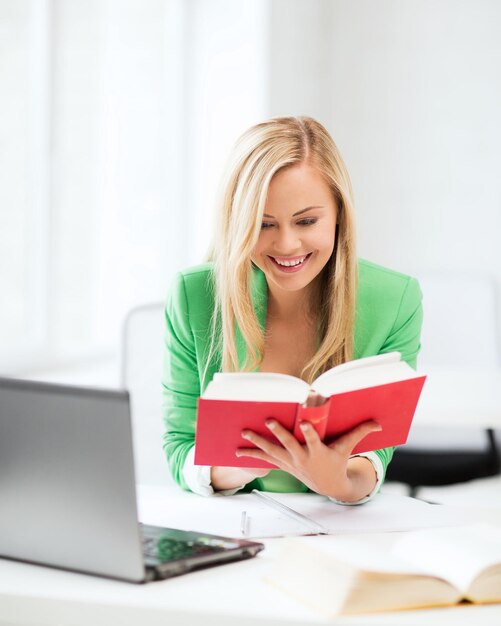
(229, 595)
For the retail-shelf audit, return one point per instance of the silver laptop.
(67, 489)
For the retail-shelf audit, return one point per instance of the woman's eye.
(308, 221)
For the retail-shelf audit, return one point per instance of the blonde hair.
(257, 156)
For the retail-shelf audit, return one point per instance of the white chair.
(452, 439)
(141, 370)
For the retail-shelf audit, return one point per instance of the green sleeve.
(180, 381)
(405, 338)
(406, 332)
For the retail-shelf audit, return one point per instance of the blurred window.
(115, 118)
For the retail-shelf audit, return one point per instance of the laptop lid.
(67, 486)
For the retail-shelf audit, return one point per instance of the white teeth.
(291, 263)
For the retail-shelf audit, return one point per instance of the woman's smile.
(290, 264)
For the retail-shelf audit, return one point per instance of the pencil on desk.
(243, 523)
(314, 526)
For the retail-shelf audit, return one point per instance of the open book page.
(344, 577)
(361, 373)
(273, 387)
(257, 387)
(221, 515)
(364, 556)
(384, 513)
(458, 555)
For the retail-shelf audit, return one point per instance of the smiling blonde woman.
(283, 292)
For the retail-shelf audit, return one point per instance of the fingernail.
(270, 424)
(238, 453)
(246, 435)
(304, 426)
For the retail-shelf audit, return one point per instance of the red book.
(382, 388)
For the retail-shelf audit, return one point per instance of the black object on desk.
(433, 468)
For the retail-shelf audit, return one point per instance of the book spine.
(317, 416)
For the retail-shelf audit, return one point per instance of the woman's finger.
(271, 449)
(254, 453)
(311, 437)
(349, 440)
(286, 438)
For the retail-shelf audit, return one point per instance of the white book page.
(363, 556)
(384, 513)
(273, 387)
(362, 373)
(217, 514)
(257, 387)
(221, 515)
(455, 554)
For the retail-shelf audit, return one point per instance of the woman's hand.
(325, 469)
(232, 477)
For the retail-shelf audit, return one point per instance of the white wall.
(411, 92)
(147, 98)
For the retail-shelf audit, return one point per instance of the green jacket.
(388, 318)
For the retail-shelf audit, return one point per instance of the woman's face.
(298, 230)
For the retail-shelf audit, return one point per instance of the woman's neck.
(292, 305)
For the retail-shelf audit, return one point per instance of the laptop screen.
(67, 483)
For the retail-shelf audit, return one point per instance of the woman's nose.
(287, 242)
